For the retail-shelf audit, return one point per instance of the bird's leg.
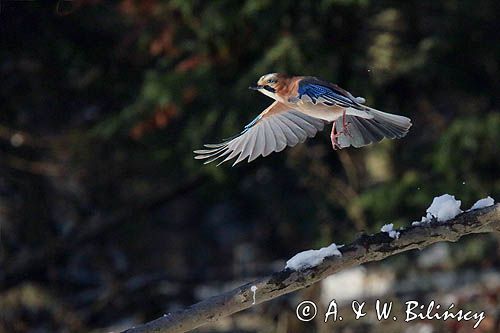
(334, 136)
(345, 124)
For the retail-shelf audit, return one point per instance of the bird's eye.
(271, 81)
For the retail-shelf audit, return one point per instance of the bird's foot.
(345, 125)
(335, 145)
(345, 129)
(335, 135)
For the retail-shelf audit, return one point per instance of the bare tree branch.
(364, 249)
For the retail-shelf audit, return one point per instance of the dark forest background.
(106, 220)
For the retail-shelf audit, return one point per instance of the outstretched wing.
(319, 91)
(275, 128)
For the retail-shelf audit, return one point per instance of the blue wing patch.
(330, 95)
(253, 122)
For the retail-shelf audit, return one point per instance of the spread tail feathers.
(364, 131)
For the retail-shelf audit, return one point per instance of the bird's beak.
(259, 87)
(270, 89)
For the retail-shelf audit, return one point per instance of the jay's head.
(267, 83)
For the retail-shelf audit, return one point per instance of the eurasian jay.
(302, 106)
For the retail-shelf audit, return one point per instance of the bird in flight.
(302, 106)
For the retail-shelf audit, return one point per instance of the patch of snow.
(443, 208)
(482, 203)
(254, 291)
(389, 229)
(421, 222)
(311, 258)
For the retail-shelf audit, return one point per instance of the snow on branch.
(314, 265)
